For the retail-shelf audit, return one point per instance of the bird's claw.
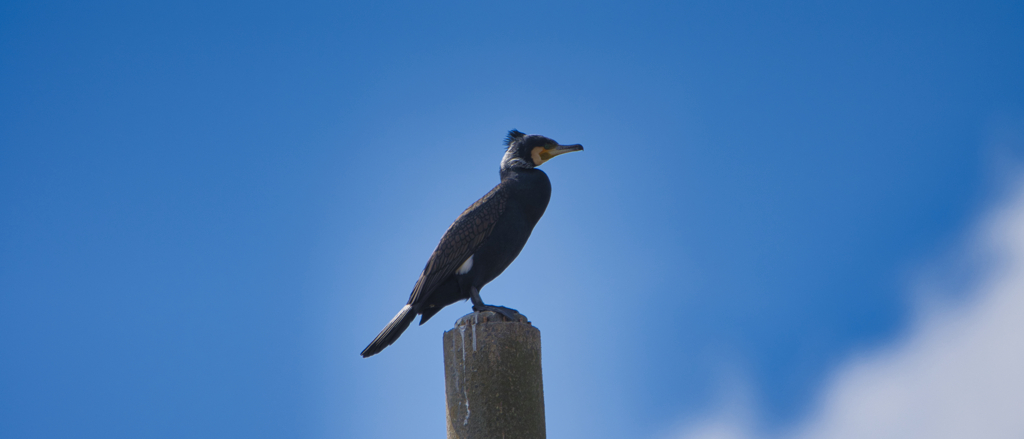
(509, 313)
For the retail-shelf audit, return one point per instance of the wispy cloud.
(957, 372)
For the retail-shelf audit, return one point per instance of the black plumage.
(484, 239)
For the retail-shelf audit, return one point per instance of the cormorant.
(484, 240)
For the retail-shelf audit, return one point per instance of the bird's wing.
(461, 240)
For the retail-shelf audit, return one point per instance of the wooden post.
(492, 378)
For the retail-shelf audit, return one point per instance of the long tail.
(391, 332)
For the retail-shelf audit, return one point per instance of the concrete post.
(492, 378)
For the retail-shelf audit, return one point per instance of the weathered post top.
(492, 376)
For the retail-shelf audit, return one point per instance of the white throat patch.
(510, 161)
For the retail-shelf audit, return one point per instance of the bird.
(484, 239)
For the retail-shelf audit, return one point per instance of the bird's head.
(531, 150)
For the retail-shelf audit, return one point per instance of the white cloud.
(958, 372)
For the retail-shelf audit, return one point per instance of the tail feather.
(391, 332)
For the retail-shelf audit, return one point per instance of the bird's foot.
(509, 313)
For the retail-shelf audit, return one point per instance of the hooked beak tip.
(570, 148)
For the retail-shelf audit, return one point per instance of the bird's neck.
(529, 186)
(512, 162)
(514, 172)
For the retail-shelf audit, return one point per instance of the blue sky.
(207, 210)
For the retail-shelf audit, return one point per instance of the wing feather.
(459, 242)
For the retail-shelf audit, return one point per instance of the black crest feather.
(512, 136)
